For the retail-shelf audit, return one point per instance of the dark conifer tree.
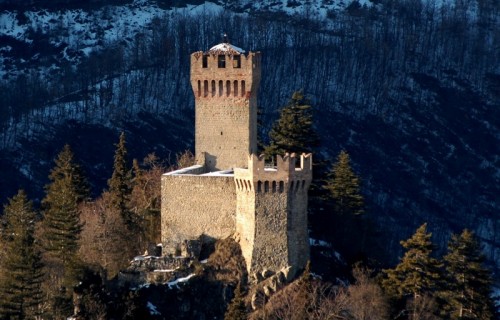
(61, 223)
(60, 230)
(467, 293)
(343, 223)
(293, 131)
(237, 309)
(418, 274)
(344, 187)
(21, 267)
(120, 183)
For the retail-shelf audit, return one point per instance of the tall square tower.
(225, 82)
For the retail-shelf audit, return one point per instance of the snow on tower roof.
(225, 48)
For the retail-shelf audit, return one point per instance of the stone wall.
(195, 205)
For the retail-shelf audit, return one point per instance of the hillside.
(410, 90)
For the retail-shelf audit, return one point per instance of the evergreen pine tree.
(293, 131)
(60, 230)
(120, 183)
(344, 187)
(237, 309)
(468, 287)
(21, 268)
(343, 223)
(418, 274)
(61, 224)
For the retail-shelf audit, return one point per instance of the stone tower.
(225, 83)
(271, 213)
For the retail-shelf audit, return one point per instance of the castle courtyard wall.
(194, 205)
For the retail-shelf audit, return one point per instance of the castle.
(231, 191)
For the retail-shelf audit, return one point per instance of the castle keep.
(231, 191)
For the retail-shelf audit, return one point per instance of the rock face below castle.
(263, 207)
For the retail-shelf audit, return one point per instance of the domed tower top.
(225, 48)
(225, 81)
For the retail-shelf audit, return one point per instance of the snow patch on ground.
(176, 282)
(152, 309)
(319, 243)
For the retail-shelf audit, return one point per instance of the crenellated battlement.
(262, 176)
(223, 74)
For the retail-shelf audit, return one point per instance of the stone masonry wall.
(195, 205)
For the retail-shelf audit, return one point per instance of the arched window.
(213, 88)
(266, 186)
(205, 88)
(282, 186)
(205, 61)
(199, 88)
(228, 88)
(221, 87)
(259, 186)
(235, 88)
(274, 186)
(243, 89)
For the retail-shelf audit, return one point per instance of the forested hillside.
(410, 89)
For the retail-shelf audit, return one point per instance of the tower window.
(205, 88)
(221, 87)
(237, 62)
(221, 61)
(213, 88)
(228, 88)
(235, 88)
(243, 89)
(204, 61)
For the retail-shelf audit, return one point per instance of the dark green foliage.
(120, 182)
(418, 273)
(61, 224)
(343, 223)
(467, 293)
(60, 231)
(21, 267)
(237, 309)
(344, 187)
(293, 131)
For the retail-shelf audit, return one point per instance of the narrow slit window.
(235, 88)
(282, 187)
(205, 61)
(259, 186)
(266, 186)
(274, 186)
(199, 88)
(228, 88)
(237, 62)
(221, 87)
(221, 61)
(213, 88)
(205, 88)
(243, 89)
